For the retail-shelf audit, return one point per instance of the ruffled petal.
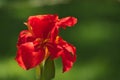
(25, 36)
(27, 57)
(67, 60)
(41, 25)
(67, 21)
(67, 46)
(54, 50)
(68, 54)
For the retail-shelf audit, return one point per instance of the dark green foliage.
(96, 36)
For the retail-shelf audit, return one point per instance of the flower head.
(42, 40)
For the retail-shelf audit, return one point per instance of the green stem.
(40, 71)
(46, 70)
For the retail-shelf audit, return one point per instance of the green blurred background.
(96, 36)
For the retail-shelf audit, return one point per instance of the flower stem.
(46, 70)
(40, 71)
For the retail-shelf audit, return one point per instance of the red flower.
(41, 41)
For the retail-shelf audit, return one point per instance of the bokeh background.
(96, 36)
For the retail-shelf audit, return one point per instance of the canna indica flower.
(42, 41)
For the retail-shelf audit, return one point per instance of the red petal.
(68, 54)
(67, 21)
(54, 34)
(42, 24)
(25, 36)
(27, 57)
(54, 50)
(69, 47)
(67, 60)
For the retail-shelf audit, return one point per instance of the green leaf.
(49, 69)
